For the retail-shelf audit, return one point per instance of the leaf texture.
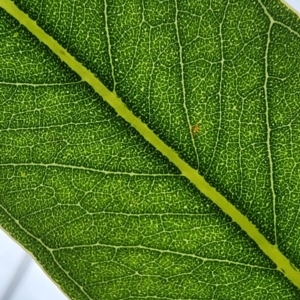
(103, 211)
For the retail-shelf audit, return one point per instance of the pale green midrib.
(270, 250)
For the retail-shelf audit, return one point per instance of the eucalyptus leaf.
(150, 149)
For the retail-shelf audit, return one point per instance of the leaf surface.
(108, 215)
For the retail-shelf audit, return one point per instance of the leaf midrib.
(282, 263)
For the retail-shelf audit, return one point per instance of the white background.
(20, 277)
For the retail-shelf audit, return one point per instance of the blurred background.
(21, 278)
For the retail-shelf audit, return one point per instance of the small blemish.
(195, 129)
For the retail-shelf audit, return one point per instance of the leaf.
(118, 209)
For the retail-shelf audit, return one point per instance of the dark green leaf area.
(139, 273)
(53, 128)
(139, 234)
(84, 36)
(154, 68)
(26, 61)
(105, 213)
(283, 92)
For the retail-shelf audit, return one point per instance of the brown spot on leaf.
(195, 129)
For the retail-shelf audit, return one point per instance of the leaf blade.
(190, 173)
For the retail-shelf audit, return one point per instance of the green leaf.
(181, 183)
